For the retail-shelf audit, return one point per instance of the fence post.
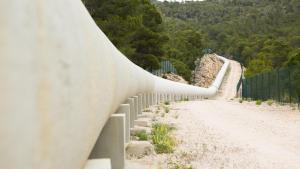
(278, 90)
(290, 87)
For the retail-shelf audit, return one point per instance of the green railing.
(282, 85)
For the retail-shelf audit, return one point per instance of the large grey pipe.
(61, 78)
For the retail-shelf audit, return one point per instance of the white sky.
(178, 0)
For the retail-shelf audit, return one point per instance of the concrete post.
(140, 102)
(125, 109)
(160, 99)
(147, 100)
(97, 164)
(150, 99)
(110, 143)
(130, 101)
(153, 98)
(144, 101)
(136, 106)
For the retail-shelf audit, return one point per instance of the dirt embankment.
(206, 70)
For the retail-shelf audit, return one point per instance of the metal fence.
(165, 67)
(282, 85)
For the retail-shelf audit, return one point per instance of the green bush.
(161, 138)
(182, 69)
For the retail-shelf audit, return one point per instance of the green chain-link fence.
(282, 85)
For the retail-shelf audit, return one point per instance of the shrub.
(258, 102)
(167, 109)
(167, 103)
(142, 135)
(270, 102)
(241, 100)
(161, 138)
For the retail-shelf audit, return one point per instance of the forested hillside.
(134, 27)
(137, 29)
(262, 34)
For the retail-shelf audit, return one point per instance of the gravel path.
(226, 134)
(233, 135)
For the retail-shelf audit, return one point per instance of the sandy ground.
(234, 135)
(226, 134)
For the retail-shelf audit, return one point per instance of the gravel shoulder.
(226, 134)
(241, 135)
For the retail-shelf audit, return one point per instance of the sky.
(178, 0)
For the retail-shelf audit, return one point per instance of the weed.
(142, 135)
(161, 138)
(241, 100)
(179, 166)
(258, 102)
(167, 103)
(167, 109)
(270, 102)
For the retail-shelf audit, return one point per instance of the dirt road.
(225, 134)
(229, 134)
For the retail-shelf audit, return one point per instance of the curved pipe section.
(61, 79)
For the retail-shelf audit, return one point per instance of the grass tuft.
(258, 102)
(142, 135)
(161, 138)
(167, 109)
(270, 102)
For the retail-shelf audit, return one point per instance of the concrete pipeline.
(61, 79)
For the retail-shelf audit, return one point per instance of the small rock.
(139, 149)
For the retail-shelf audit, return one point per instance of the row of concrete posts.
(109, 150)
